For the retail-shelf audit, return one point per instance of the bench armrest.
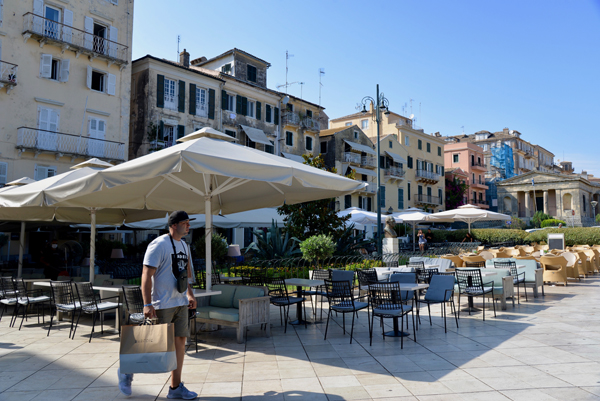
(254, 310)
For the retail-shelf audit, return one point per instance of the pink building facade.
(469, 158)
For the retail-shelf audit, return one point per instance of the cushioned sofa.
(238, 306)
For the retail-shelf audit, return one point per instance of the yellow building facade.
(65, 84)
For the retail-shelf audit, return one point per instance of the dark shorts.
(178, 316)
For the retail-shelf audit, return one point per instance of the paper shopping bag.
(148, 349)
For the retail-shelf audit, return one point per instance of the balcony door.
(52, 22)
(97, 134)
(48, 120)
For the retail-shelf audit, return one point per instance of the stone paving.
(544, 349)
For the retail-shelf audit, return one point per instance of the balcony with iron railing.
(425, 199)
(68, 38)
(369, 161)
(290, 118)
(311, 124)
(42, 141)
(478, 165)
(476, 184)
(478, 202)
(370, 188)
(351, 157)
(8, 75)
(425, 175)
(394, 172)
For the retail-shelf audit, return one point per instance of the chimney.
(184, 58)
(505, 130)
(198, 60)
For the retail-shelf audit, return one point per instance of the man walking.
(168, 295)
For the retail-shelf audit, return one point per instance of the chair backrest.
(410, 278)
(416, 265)
(512, 266)
(458, 262)
(339, 293)
(440, 288)
(85, 293)
(571, 258)
(8, 287)
(487, 255)
(133, 299)
(554, 261)
(424, 275)
(321, 274)
(366, 277)
(468, 278)
(62, 293)
(475, 258)
(278, 290)
(21, 289)
(385, 296)
(475, 264)
(343, 275)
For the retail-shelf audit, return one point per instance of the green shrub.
(317, 247)
(484, 235)
(552, 222)
(573, 236)
(598, 218)
(517, 224)
(218, 247)
(538, 217)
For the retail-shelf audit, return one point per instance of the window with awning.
(256, 135)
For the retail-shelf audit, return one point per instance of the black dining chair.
(96, 307)
(518, 278)
(470, 284)
(341, 300)
(386, 302)
(134, 302)
(64, 300)
(8, 297)
(281, 298)
(440, 291)
(27, 298)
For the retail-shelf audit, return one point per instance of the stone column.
(527, 204)
(546, 201)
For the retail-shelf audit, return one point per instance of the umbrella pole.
(21, 249)
(414, 225)
(92, 244)
(208, 240)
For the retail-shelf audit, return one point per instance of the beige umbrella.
(28, 203)
(204, 175)
(467, 214)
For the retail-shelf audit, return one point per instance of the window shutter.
(408, 190)
(382, 196)
(89, 77)
(400, 198)
(181, 107)
(115, 2)
(67, 24)
(268, 113)
(258, 111)
(245, 106)
(160, 91)
(161, 130)
(224, 100)
(180, 131)
(3, 166)
(211, 104)
(347, 201)
(360, 205)
(88, 25)
(46, 66)
(193, 99)
(113, 36)
(112, 84)
(276, 113)
(238, 104)
(64, 70)
(369, 204)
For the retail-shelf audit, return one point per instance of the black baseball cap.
(177, 217)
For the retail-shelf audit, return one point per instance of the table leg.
(471, 307)
(396, 332)
(299, 317)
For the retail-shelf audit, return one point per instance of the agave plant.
(349, 244)
(274, 244)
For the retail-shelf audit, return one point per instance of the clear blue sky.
(533, 66)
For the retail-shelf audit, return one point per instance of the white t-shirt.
(164, 284)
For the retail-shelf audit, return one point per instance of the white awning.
(295, 158)
(256, 135)
(364, 171)
(361, 148)
(395, 157)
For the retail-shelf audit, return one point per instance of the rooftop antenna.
(301, 87)
(178, 40)
(411, 100)
(420, 115)
(287, 57)
(321, 73)
(463, 129)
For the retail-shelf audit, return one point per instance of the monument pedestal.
(390, 245)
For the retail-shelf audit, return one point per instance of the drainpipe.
(220, 128)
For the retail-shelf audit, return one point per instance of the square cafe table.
(300, 283)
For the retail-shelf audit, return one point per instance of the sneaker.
(182, 393)
(125, 382)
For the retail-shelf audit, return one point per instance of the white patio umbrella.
(413, 216)
(28, 203)
(361, 216)
(203, 175)
(468, 214)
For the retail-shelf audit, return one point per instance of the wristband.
(147, 305)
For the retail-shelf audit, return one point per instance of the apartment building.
(64, 84)
(526, 156)
(394, 156)
(424, 174)
(229, 93)
(470, 161)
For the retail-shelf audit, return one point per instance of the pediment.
(539, 178)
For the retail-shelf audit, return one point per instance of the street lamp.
(594, 204)
(381, 105)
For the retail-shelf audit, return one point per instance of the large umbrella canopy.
(361, 216)
(413, 216)
(203, 175)
(467, 214)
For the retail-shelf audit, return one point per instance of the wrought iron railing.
(430, 175)
(351, 157)
(428, 199)
(50, 141)
(478, 164)
(74, 38)
(290, 118)
(368, 161)
(394, 172)
(311, 124)
(8, 72)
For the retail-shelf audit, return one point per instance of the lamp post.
(381, 104)
(594, 204)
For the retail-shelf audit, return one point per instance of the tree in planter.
(317, 247)
(538, 217)
(218, 247)
(307, 219)
(455, 193)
